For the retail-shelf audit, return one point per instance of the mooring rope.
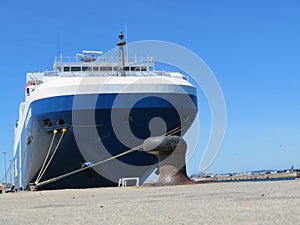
(48, 153)
(58, 143)
(54, 179)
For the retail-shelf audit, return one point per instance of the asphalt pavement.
(275, 202)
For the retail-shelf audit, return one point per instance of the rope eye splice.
(34, 186)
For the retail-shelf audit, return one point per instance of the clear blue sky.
(252, 46)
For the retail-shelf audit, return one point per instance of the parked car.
(8, 187)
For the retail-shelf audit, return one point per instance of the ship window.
(75, 68)
(143, 69)
(66, 68)
(58, 68)
(60, 122)
(47, 123)
(95, 68)
(104, 68)
(85, 68)
(126, 68)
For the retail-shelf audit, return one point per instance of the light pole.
(4, 153)
(10, 171)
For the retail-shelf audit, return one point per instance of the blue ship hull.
(92, 136)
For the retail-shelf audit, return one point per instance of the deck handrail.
(103, 59)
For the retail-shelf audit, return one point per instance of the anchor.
(170, 151)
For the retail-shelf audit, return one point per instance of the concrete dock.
(275, 202)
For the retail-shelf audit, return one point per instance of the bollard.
(33, 187)
(170, 151)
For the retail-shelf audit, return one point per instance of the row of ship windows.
(102, 68)
(47, 122)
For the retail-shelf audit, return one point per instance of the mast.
(121, 43)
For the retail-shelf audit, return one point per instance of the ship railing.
(73, 64)
(103, 59)
(111, 73)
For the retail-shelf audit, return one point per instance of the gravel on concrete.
(276, 202)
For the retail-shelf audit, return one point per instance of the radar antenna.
(121, 43)
(85, 58)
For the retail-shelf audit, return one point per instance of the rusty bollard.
(170, 151)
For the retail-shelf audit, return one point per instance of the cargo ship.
(92, 108)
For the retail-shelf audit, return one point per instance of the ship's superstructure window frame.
(101, 68)
(86, 68)
(75, 68)
(105, 68)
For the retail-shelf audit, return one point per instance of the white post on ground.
(4, 153)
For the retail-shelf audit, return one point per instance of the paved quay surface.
(276, 202)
